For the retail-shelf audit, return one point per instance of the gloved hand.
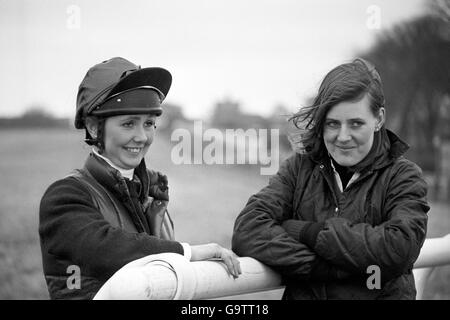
(159, 188)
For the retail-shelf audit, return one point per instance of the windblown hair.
(99, 141)
(346, 82)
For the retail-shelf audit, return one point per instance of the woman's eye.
(149, 123)
(331, 124)
(357, 123)
(128, 124)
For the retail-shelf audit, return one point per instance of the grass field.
(204, 203)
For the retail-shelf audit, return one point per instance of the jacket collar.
(112, 179)
(392, 148)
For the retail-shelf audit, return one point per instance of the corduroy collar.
(112, 179)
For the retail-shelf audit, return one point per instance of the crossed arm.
(336, 247)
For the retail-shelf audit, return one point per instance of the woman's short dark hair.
(347, 82)
(99, 140)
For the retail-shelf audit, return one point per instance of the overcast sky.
(258, 52)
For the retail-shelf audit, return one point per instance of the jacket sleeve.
(72, 228)
(258, 232)
(395, 244)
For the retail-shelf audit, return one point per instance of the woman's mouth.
(133, 150)
(344, 148)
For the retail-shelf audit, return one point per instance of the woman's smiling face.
(127, 139)
(349, 130)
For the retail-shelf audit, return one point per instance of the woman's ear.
(380, 119)
(92, 126)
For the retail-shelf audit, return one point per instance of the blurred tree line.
(34, 117)
(413, 59)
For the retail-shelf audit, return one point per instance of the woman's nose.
(344, 134)
(141, 135)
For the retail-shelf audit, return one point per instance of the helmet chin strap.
(88, 137)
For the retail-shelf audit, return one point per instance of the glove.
(158, 188)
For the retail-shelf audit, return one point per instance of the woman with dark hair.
(113, 210)
(346, 216)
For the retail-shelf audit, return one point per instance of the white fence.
(170, 276)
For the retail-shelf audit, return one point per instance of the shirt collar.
(126, 173)
(338, 177)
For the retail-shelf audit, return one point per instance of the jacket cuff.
(187, 251)
(310, 232)
(294, 227)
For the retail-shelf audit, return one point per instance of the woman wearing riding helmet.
(113, 210)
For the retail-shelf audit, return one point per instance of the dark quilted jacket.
(380, 220)
(97, 230)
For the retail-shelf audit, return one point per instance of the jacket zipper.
(330, 185)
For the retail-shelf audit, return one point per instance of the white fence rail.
(170, 276)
